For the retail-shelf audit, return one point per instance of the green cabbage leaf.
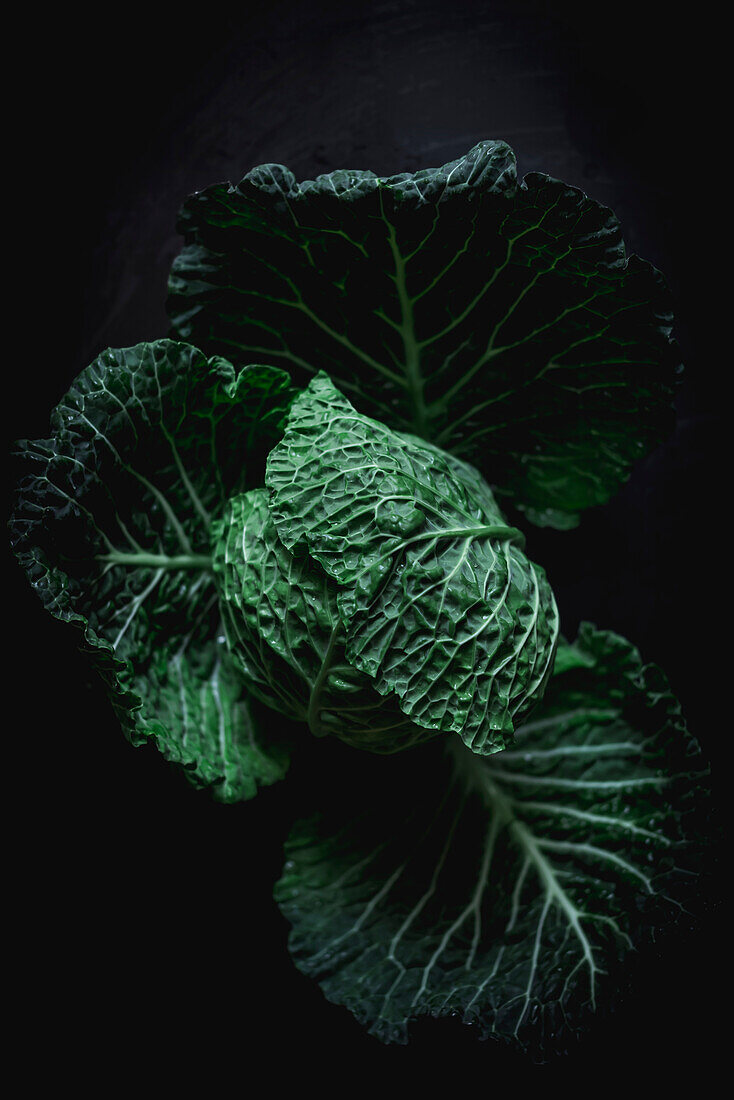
(499, 319)
(287, 639)
(509, 889)
(112, 526)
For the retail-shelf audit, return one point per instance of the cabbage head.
(374, 589)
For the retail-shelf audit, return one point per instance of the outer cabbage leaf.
(441, 607)
(501, 320)
(285, 635)
(510, 889)
(112, 527)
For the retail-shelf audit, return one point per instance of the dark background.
(147, 908)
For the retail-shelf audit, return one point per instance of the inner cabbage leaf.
(287, 639)
(440, 606)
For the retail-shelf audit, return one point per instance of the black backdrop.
(147, 908)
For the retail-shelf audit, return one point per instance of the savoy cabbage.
(295, 504)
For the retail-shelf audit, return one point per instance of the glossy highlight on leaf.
(499, 319)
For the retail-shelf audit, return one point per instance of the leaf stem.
(406, 328)
(312, 717)
(158, 561)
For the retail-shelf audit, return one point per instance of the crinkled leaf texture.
(285, 635)
(112, 526)
(509, 889)
(497, 318)
(437, 602)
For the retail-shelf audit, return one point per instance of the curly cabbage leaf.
(508, 889)
(499, 319)
(439, 605)
(112, 527)
(285, 635)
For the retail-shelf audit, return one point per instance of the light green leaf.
(441, 606)
(508, 890)
(286, 636)
(497, 319)
(112, 527)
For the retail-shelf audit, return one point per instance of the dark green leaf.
(497, 319)
(113, 528)
(508, 890)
